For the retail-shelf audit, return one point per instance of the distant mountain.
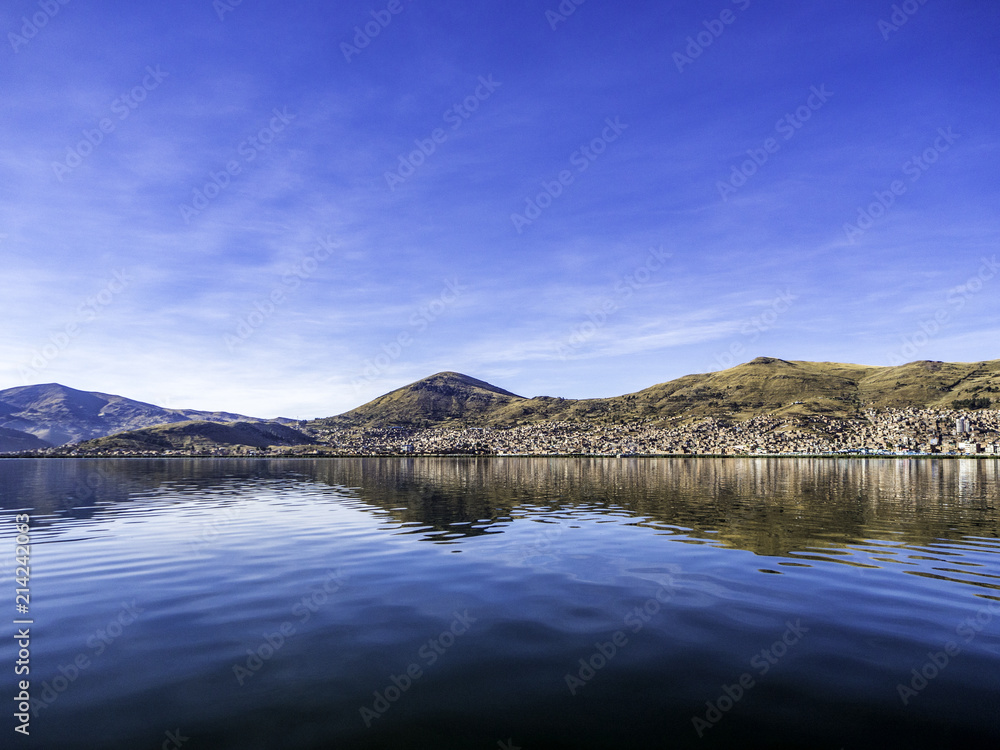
(59, 415)
(439, 399)
(15, 440)
(764, 386)
(198, 436)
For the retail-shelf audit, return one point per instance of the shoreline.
(910, 456)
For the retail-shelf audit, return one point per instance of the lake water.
(506, 603)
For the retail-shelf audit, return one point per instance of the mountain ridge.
(200, 436)
(764, 385)
(787, 389)
(58, 414)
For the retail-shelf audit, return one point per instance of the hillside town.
(882, 432)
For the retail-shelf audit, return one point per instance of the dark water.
(506, 603)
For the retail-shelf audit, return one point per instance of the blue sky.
(261, 208)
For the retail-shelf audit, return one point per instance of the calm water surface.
(506, 603)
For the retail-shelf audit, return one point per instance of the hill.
(15, 440)
(197, 436)
(765, 385)
(444, 398)
(60, 415)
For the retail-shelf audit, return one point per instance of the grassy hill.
(763, 386)
(444, 398)
(199, 436)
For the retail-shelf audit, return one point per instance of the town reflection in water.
(770, 506)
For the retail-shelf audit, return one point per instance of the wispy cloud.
(323, 175)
